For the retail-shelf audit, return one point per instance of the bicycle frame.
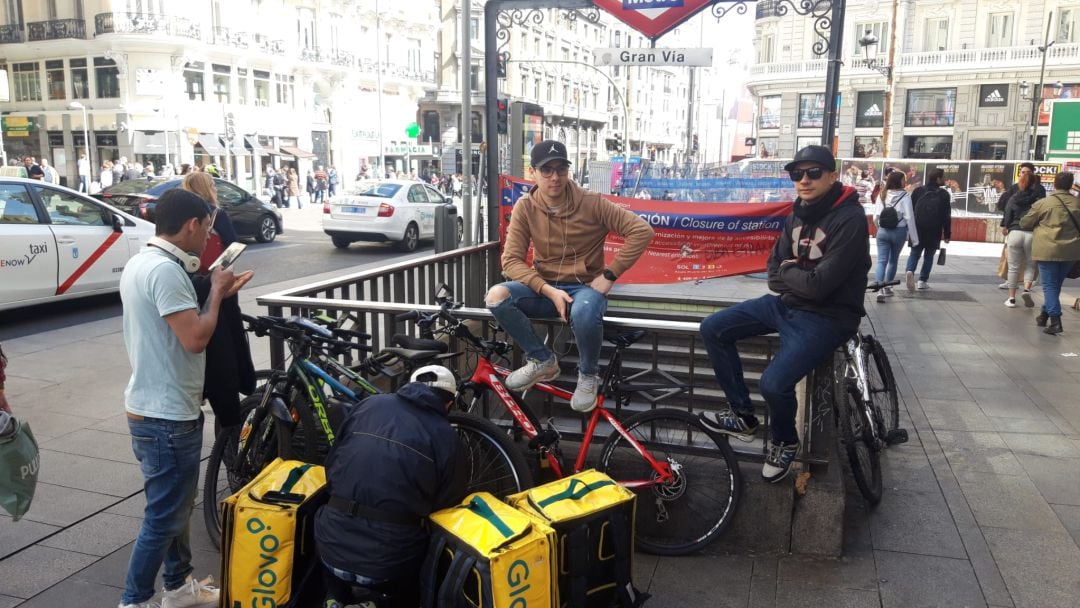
(856, 370)
(489, 375)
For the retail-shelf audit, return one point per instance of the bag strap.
(575, 490)
(578, 558)
(480, 507)
(1069, 213)
(294, 478)
(621, 533)
(450, 593)
(430, 570)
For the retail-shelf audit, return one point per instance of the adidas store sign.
(872, 112)
(994, 96)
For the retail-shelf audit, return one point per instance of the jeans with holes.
(586, 320)
(1052, 275)
(889, 245)
(927, 261)
(806, 340)
(169, 453)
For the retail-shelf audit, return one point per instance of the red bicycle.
(685, 475)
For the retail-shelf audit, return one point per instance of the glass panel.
(107, 76)
(80, 80)
(870, 109)
(867, 146)
(69, 210)
(54, 79)
(1000, 30)
(770, 112)
(930, 108)
(936, 35)
(15, 205)
(812, 110)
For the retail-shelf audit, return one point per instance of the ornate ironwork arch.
(522, 17)
(818, 10)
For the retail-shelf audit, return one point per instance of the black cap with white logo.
(547, 151)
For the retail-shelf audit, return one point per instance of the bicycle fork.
(856, 370)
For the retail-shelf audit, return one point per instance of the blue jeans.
(586, 320)
(169, 453)
(1052, 275)
(927, 262)
(889, 245)
(806, 340)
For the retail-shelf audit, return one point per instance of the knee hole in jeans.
(496, 295)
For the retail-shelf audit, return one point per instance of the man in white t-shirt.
(165, 333)
(84, 173)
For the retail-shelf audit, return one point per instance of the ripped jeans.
(586, 320)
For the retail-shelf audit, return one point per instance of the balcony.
(225, 36)
(56, 29)
(142, 23)
(403, 72)
(766, 8)
(311, 54)
(342, 58)
(268, 46)
(11, 33)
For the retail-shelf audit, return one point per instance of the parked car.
(393, 210)
(252, 217)
(57, 244)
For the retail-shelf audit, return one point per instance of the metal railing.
(270, 46)
(11, 33)
(240, 40)
(56, 29)
(143, 23)
(396, 70)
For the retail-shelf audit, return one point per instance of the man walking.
(818, 267)
(322, 182)
(566, 227)
(84, 173)
(933, 218)
(166, 333)
(33, 170)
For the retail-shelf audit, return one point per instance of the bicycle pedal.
(896, 436)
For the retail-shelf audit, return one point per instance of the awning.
(149, 143)
(211, 144)
(254, 146)
(297, 152)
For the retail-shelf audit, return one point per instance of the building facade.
(244, 84)
(958, 75)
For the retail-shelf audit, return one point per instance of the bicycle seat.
(412, 355)
(412, 343)
(624, 340)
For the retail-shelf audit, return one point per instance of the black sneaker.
(778, 461)
(730, 423)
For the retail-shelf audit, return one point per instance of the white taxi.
(57, 244)
(398, 211)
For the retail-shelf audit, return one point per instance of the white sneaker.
(1028, 301)
(141, 605)
(880, 297)
(532, 372)
(193, 593)
(584, 399)
(887, 291)
(1010, 303)
(909, 277)
(1004, 285)
(922, 285)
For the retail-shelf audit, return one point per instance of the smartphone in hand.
(228, 257)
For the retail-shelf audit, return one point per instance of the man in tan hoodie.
(568, 279)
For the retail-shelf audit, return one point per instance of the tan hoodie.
(568, 245)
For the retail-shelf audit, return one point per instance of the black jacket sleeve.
(946, 218)
(848, 248)
(224, 227)
(455, 477)
(1008, 217)
(1004, 200)
(781, 251)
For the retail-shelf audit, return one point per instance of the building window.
(477, 127)
(769, 118)
(284, 88)
(242, 85)
(194, 82)
(880, 29)
(768, 147)
(999, 32)
(474, 78)
(80, 79)
(989, 150)
(536, 89)
(474, 28)
(27, 81)
(930, 108)
(618, 39)
(431, 131)
(936, 35)
(524, 86)
(870, 109)
(765, 49)
(1069, 25)
(413, 56)
(107, 76)
(262, 88)
(867, 146)
(550, 91)
(54, 79)
(222, 86)
(928, 147)
(812, 110)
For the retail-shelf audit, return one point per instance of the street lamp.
(869, 44)
(86, 139)
(1036, 96)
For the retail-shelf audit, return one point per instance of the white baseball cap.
(436, 376)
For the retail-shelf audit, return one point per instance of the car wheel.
(267, 230)
(411, 240)
(340, 242)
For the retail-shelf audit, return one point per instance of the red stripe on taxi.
(81, 270)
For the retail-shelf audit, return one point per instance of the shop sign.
(993, 96)
(365, 134)
(406, 149)
(18, 126)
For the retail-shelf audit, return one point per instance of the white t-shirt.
(166, 380)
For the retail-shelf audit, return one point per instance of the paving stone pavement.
(981, 507)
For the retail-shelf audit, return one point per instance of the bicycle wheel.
(685, 515)
(494, 464)
(882, 387)
(224, 474)
(859, 442)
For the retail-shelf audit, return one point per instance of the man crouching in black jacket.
(818, 266)
(396, 460)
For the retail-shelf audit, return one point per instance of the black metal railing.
(272, 47)
(142, 23)
(342, 58)
(766, 8)
(225, 36)
(56, 29)
(311, 54)
(11, 33)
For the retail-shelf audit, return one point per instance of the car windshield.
(134, 186)
(379, 190)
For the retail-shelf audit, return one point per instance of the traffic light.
(500, 66)
(695, 146)
(502, 118)
(618, 142)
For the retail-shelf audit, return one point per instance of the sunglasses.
(548, 171)
(812, 173)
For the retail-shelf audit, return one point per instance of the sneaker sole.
(911, 281)
(777, 479)
(1028, 302)
(554, 375)
(740, 436)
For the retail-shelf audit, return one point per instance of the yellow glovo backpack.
(268, 554)
(485, 554)
(593, 519)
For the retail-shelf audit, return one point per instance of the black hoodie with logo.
(831, 242)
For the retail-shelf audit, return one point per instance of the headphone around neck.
(189, 261)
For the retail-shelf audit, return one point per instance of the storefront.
(406, 157)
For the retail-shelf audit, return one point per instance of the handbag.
(19, 463)
(941, 257)
(1003, 264)
(1074, 270)
(214, 248)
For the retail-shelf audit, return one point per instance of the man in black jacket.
(818, 267)
(395, 461)
(933, 218)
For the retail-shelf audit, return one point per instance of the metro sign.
(653, 18)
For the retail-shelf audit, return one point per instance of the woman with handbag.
(1055, 222)
(895, 224)
(1018, 240)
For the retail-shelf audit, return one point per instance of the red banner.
(693, 240)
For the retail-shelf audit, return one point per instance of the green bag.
(19, 464)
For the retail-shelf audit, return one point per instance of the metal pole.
(723, 119)
(1036, 99)
(577, 146)
(886, 130)
(466, 116)
(378, 86)
(690, 116)
(832, 78)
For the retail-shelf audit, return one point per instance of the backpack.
(926, 209)
(889, 218)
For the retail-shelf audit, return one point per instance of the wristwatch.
(611, 276)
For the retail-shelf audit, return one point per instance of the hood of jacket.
(422, 396)
(574, 196)
(837, 196)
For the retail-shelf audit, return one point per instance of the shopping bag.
(941, 257)
(19, 463)
(1003, 264)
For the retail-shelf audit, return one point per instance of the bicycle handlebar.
(303, 331)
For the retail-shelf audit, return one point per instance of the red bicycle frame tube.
(490, 375)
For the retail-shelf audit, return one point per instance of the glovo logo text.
(263, 594)
(517, 576)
